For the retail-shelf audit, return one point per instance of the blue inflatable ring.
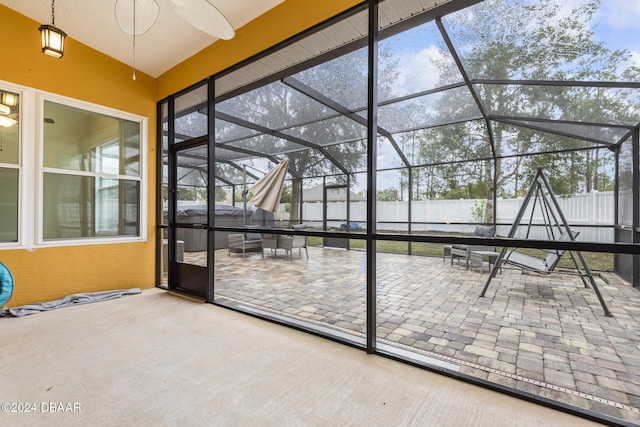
(6, 284)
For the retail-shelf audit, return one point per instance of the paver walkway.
(545, 335)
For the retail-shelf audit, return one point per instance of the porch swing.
(556, 229)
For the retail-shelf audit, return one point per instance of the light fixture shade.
(9, 99)
(52, 40)
(6, 122)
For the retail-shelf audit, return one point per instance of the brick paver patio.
(546, 335)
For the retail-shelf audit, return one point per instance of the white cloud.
(419, 71)
(387, 156)
(620, 14)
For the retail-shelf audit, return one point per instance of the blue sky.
(617, 24)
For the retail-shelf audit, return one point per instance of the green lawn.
(595, 260)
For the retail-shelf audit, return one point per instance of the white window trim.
(23, 168)
(28, 178)
(31, 170)
(143, 121)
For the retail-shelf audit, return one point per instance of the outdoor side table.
(477, 257)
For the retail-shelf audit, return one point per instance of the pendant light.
(52, 37)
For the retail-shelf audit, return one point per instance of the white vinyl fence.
(593, 209)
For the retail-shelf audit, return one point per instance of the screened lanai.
(408, 127)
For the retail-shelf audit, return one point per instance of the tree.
(445, 134)
(278, 106)
(220, 194)
(524, 40)
(388, 195)
(192, 193)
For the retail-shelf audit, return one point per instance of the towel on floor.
(75, 299)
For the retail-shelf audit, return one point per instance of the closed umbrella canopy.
(268, 190)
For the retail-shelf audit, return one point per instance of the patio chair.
(465, 251)
(241, 243)
(289, 243)
(270, 241)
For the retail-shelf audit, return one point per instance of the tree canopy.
(474, 102)
(507, 44)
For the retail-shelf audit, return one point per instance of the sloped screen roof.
(499, 78)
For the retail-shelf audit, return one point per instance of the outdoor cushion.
(253, 236)
(527, 261)
(480, 231)
(484, 231)
(545, 265)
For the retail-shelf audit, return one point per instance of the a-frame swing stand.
(557, 229)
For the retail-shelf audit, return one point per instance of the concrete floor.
(544, 335)
(159, 359)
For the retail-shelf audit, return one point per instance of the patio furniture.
(297, 241)
(165, 253)
(476, 258)
(270, 241)
(289, 243)
(195, 239)
(446, 252)
(241, 243)
(539, 265)
(461, 251)
(555, 223)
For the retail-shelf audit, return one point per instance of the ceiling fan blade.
(204, 16)
(146, 13)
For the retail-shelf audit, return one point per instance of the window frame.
(23, 182)
(31, 170)
(40, 241)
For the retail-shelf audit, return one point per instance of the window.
(91, 177)
(70, 172)
(9, 165)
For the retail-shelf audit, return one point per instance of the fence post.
(594, 207)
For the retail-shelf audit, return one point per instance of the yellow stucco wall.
(85, 74)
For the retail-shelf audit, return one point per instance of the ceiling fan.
(136, 17)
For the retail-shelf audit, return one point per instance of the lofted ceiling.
(170, 41)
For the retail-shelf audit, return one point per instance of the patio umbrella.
(268, 190)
